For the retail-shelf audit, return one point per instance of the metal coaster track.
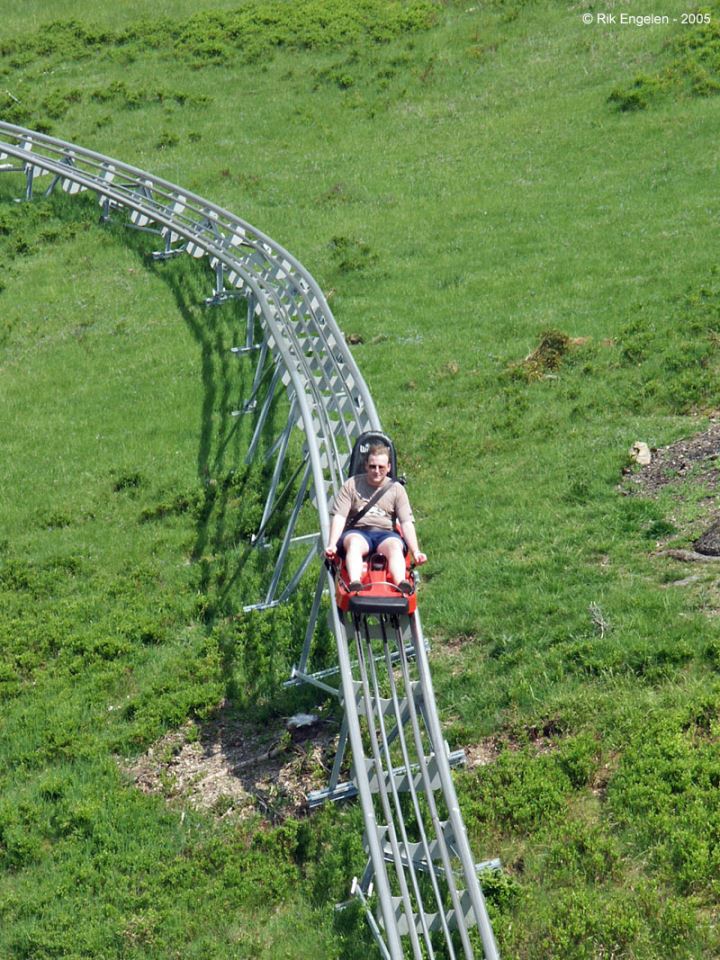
(420, 877)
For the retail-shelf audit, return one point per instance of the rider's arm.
(337, 525)
(410, 537)
(407, 524)
(340, 508)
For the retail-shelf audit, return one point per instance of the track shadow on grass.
(225, 502)
(258, 649)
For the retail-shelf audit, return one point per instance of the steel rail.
(425, 845)
(374, 696)
(370, 702)
(303, 351)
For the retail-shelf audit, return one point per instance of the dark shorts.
(373, 538)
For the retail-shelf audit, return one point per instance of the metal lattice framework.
(420, 889)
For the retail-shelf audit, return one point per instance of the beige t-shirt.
(392, 505)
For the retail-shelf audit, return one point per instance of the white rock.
(302, 720)
(640, 453)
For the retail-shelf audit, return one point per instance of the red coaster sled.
(379, 594)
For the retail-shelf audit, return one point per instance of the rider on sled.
(364, 513)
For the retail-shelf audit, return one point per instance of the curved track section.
(420, 889)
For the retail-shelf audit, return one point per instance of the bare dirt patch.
(541, 738)
(690, 459)
(687, 463)
(233, 769)
(483, 753)
(604, 774)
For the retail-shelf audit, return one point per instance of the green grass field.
(462, 179)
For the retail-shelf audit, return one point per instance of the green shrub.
(665, 796)
(578, 758)
(248, 33)
(581, 926)
(519, 792)
(545, 358)
(584, 852)
(692, 67)
(350, 254)
(638, 95)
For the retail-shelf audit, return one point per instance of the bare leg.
(392, 550)
(356, 549)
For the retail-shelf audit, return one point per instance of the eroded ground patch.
(233, 769)
(693, 459)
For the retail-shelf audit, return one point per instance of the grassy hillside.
(512, 211)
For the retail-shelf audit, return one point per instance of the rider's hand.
(330, 552)
(420, 558)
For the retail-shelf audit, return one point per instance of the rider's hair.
(377, 450)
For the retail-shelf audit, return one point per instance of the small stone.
(302, 720)
(640, 453)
